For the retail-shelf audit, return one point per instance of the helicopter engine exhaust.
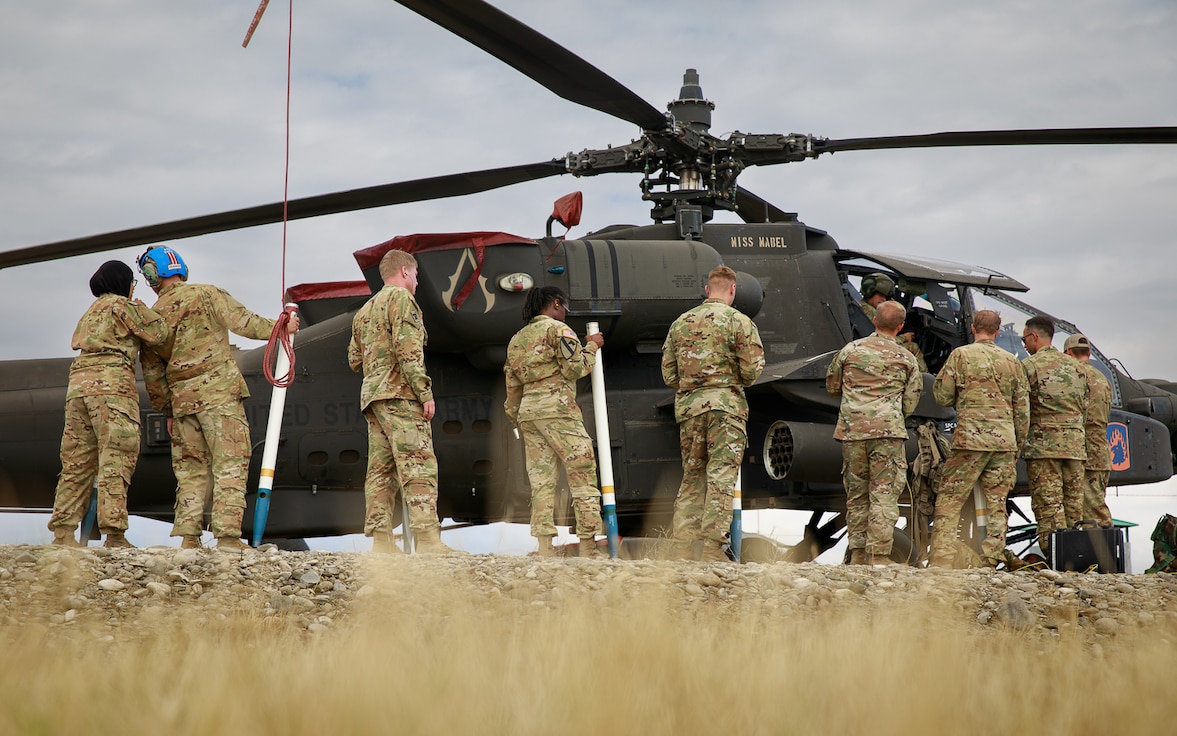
(802, 451)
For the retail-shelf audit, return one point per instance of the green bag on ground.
(1164, 545)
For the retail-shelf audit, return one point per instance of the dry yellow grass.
(440, 660)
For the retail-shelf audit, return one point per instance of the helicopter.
(810, 315)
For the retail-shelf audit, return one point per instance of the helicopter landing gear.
(817, 537)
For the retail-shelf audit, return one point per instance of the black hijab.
(112, 277)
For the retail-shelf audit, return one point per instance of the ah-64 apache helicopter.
(796, 282)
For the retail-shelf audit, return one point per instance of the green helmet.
(877, 283)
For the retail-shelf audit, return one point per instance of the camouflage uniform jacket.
(1095, 418)
(200, 372)
(710, 354)
(109, 334)
(544, 361)
(905, 341)
(879, 383)
(1058, 390)
(987, 387)
(387, 345)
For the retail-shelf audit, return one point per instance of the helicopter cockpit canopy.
(915, 268)
(941, 296)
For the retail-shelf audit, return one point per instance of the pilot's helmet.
(877, 283)
(159, 262)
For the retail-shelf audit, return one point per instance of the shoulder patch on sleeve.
(569, 333)
(569, 346)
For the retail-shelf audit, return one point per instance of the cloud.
(124, 114)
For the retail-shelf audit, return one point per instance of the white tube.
(604, 449)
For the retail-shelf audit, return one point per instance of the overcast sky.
(124, 113)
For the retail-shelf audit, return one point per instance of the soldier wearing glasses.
(1055, 448)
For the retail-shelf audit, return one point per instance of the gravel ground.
(125, 592)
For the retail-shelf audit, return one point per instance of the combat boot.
(382, 544)
(713, 552)
(858, 556)
(230, 544)
(190, 541)
(877, 560)
(63, 537)
(429, 543)
(1013, 563)
(116, 540)
(588, 548)
(545, 545)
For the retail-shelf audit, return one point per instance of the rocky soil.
(123, 593)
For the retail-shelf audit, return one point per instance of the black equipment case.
(1087, 546)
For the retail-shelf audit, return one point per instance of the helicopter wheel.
(901, 548)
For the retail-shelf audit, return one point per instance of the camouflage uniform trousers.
(547, 442)
(1056, 495)
(712, 446)
(400, 460)
(873, 472)
(996, 472)
(1095, 485)
(210, 456)
(101, 439)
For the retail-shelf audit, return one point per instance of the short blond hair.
(890, 315)
(720, 274)
(394, 260)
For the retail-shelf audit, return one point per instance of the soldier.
(711, 353)
(1098, 465)
(880, 385)
(987, 387)
(193, 379)
(544, 361)
(387, 345)
(876, 289)
(1054, 449)
(101, 437)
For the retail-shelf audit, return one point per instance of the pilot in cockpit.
(876, 289)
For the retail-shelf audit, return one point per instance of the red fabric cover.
(326, 290)
(479, 241)
(568, 208)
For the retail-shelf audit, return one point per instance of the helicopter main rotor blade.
(419, 190)
(539, 57)
(753, 208)
(1041, 137)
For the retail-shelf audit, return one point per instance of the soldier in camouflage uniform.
(1098, 466)
(193, 379)
(101, 438)
(387, 345)
(880, 385)
(711, 353)
(876, 289)
(1054, 449)
(544, 361)
(987, 387)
